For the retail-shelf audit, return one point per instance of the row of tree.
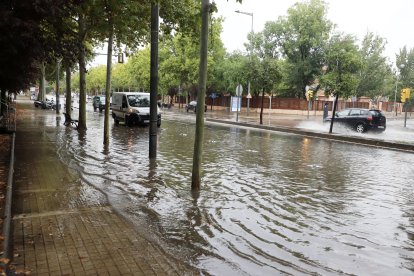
(42, 32)
(288, 55)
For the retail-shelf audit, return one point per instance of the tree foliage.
(342, 63)
(374, 68)
(300, 39)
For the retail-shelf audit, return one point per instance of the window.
(355, 112)
(124, 101)
(139, 100)
(343, 113)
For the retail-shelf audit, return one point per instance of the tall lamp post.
(250, 55)
(395, 96)
(396, 88)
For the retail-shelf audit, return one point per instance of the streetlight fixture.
(249, 96)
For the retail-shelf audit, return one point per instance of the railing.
(8, 120)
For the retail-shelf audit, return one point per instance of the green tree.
(96, 80)
(300, 38)
(231, 71)
(375, 70)
(405, 64)
(343, 64)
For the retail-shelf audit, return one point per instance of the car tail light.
(369, 118)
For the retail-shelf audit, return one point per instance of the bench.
(70, 121)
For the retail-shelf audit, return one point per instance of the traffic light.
(309, 95)
(405, 94)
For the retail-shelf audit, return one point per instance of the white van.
(133, 108)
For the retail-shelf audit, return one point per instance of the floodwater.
(270, 204)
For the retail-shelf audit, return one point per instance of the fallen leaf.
(4, 260)
(22, 271)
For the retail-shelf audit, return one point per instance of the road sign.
(239, 90)
(249, 96)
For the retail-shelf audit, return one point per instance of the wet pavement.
(271, 203)
(63, 226)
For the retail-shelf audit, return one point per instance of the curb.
(333, 137)
(6, 256)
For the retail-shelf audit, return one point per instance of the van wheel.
(116, 121)
(132, 120)
(158, 123)
(360, 128)
(128, 121)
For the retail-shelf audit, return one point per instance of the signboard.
(235, 103)
(239, 90)
(213, 95)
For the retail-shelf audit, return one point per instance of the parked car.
(98, 102)
(361, 119)
(133, 108)
(193, 106)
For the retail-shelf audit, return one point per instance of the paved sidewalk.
(57, 233)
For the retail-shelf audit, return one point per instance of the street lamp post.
(395, 96)
(250, 55)
(396, 87)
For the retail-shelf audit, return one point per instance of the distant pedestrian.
(325, 110)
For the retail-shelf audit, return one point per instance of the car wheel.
(186, 109)
(360, 128)
(116, 121)
(158, 123)
(195, 110)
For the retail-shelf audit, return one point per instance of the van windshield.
(139, 100)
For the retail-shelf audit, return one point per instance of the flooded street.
(271, 203)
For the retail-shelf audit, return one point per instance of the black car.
(193, 106)
(361, 119)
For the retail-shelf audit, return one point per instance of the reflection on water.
(271, 203)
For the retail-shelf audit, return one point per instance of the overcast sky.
(388, 19)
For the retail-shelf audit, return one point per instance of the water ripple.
(270, 203)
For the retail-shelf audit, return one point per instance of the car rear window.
(376, 113)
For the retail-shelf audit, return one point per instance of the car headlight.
(131, 110)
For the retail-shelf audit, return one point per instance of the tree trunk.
(153, 81)
(199, 135)
(42, 88)
(108, 83)
(2, 101)
(57, 86)
(68, 91)
(333, 113)
(82, 73)
(261, 108)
